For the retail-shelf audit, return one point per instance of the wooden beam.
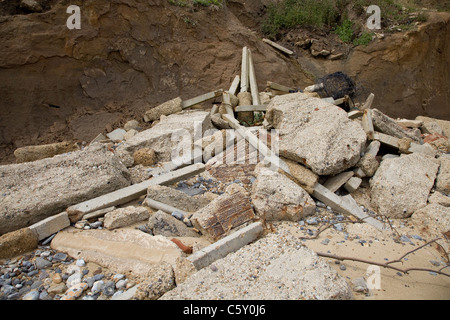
(277, 46)
(202, 98)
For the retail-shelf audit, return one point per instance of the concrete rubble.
(187, 206)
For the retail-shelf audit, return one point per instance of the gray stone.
(32, 295)
(316, 133)
(276, 197)
(433, 219)
(123, 217)
(68, 178)
(42, 263)
(402, 185)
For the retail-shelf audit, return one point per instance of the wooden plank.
(132, 192)
(252, 78)
(202, 98)
(244, 70)
(260, 107)
(277, 46)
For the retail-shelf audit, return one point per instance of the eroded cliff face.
(130, 55)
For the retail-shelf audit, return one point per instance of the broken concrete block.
(368, 164)
(171, 138)
(367, 123)
(56, 183)
(117, 135)
(301, 175)
(17, 242)
(443, 124)
(130, 133)
(410, 123)
(33, 153)
(226, 245)
(145, 156)
(276, 197)
(166, 108)
(176, 198)
(352, 184)
(334, 183)
(315, 133)
(245, 99)
(218, 122)
(433, 220)
(443, 176)
(389, 126)
(431, 127)
(223, 214)
(402, 185)
(439, 198)
(164, 224)
(45, 228)
(122, 250)
(123, 217)
(414, 147)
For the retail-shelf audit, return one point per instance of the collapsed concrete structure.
(181, 216)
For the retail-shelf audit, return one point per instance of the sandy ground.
(379, 246)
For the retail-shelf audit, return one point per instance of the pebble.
(74, 279)
(42, 263)
(97, 287)
(32, 295)
(80, 263)
(343, 267)
(75, 291)
(312, 221)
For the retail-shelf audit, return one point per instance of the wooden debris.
(279, 47)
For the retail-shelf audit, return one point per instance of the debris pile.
(203, 194)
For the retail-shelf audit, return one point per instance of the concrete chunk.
(37, 190)
(123, 217)
(315, 133)
(228, 244)
(387, 125)
(17, 242)
(51, 225)
(167, 108)
(276, 197)
(33, 153)
(123, 250)
(352, 184)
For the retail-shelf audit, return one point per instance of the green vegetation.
(306, 13)
(345, 31)
(332, 15)
(364, 39)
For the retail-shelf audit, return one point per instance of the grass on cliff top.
(334, 15)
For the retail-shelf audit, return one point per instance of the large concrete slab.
(316, 133)
(37, 190)
(123, 250)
